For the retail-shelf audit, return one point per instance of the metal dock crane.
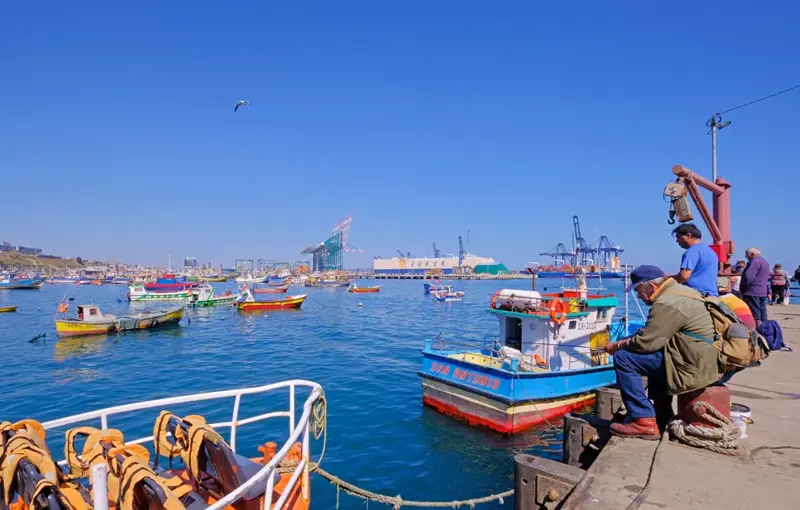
(584, 252)
(436, 252)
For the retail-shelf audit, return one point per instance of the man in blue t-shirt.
(699, 265)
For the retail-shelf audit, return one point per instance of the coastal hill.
(33, 262)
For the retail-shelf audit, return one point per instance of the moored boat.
(61, 279)
(213, 278)
(204, 296)
(447, 294)
(363, 290)
(271, 290)
(121, 280)
(250, 279)
(20, 283)
(169, 282)
(106, 466)
(432, 288)
(91, 321)
(548, 360)
(138, 293)
(96, 282)
(249, 304)
(7, 309)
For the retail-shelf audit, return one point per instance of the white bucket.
(740, 415)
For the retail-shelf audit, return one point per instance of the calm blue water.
(366, 359)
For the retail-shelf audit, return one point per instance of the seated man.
(666, 350)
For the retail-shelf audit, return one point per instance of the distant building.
(7, 247)
(190, 262)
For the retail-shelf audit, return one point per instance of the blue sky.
(421, 119)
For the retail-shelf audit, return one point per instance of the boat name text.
(465, 375)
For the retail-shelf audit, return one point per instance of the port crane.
(436, 251)
(404, 255)
(461, 251)
(607, 250)
(561, 255)
(584, 252)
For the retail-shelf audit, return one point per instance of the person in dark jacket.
(754, 285)
(779, 281)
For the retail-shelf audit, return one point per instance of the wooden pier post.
(542, 483)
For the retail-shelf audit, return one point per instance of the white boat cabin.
(554, 332)
(92, 313)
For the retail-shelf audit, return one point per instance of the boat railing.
(299, 430)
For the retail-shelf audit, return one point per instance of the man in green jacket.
(666, 350)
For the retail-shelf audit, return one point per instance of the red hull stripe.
(513, 424)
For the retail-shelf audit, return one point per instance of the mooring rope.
(723, 438)
(318, 426)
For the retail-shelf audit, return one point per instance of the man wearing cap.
(669, 350)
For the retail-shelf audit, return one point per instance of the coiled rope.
(723, 438)
(318, 428)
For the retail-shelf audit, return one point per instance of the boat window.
(602, 313)
(573, 324)
(93, 311)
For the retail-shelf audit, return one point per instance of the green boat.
(204, 296)
(137, 293)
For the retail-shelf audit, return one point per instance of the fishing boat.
(249, 304)
(433, 288)
(7, 309)
(330, 280)
(204, 296)
(20, 283)
(547, 360)
(271, 290)
(91, 321)
(139, 293)
(96, 282)
(121, 280)
(447, 294)
(250, 279)
(363, 290)
(214, 278)
(169, 282)
(61, 279)
(103, 468)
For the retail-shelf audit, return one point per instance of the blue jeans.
(630, 366)
(758, 307)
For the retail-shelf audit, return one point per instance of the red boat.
(272, 290)
(363, 290)
(288, 303)
(169, 282)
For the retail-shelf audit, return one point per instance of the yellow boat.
(91, 321)
(8, 309)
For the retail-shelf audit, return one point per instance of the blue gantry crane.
(608, 251)
(561, 255)
(584, 252)
(436, 251)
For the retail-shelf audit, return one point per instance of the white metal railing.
(265, 474)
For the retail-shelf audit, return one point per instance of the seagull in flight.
(241, 103)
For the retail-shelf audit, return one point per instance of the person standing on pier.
(754, 286)
(779, 281)
(699, 264)
(669, 350)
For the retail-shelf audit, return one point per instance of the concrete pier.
(766, 476)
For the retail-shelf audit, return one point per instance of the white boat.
(137, 293)
(250, 278)
(215, 475)
(447, 295)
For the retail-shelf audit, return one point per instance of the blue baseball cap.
(644, 274)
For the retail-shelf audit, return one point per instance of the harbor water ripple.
(366, 358)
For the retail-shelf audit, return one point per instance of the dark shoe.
(643, 428)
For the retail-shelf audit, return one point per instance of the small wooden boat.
(216, 475)
(91, 321)
(204, 296)
(272, 290)
(214, 279)
(96, 282)
(447, 295)
(7, 309)
(137, 293)
(249, 304)
(251, 279)
(363, 290)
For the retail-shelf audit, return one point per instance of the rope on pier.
(721, 439)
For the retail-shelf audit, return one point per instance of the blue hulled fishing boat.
(547, 360)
